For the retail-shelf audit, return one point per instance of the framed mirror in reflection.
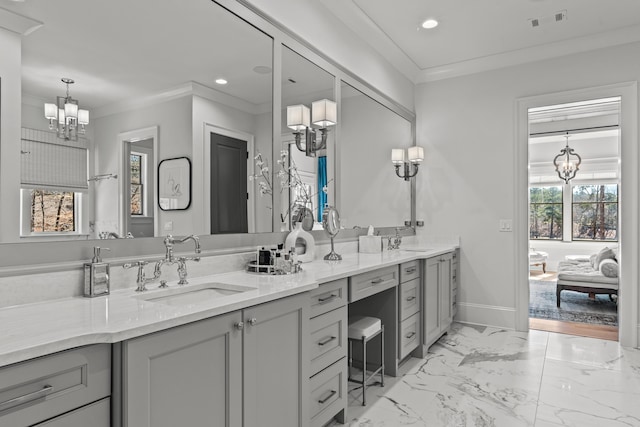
(205, 87)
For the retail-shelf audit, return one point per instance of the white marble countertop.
(38, 329)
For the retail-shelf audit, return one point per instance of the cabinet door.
(188, 375)
(446, 297)
(276, 363)
(432, 300)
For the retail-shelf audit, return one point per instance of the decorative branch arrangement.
(289, 178)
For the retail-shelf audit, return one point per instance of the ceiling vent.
(559, 16)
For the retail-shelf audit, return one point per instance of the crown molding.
(17, 23)
(536, 53)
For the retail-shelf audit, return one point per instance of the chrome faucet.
(141, 279)
(169, 259)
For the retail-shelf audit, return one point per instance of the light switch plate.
(506, 225)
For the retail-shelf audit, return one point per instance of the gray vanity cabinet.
(246, 368)
(438, 296)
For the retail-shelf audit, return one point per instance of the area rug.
(574, 306)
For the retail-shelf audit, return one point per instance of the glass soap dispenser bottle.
(96, 275)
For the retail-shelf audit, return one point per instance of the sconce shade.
(397, 156)
(83, 117)
(324, 113)
(415, 154)
(298, 117)
(50, 111)
(71, 110)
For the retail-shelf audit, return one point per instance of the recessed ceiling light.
(221, 81)
(429, 24)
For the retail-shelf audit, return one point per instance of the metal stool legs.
(380, 370)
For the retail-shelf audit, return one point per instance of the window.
(595, 212)
(53, 179)
(545, 213)
(52, 211)
(136, 162)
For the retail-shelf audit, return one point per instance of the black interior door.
(228, 185)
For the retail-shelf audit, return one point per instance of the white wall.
(467, 126)
(173, 119)
(320, 28)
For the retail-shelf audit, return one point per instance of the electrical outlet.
(506, 225)
(168, 226)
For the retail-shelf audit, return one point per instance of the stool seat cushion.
(363, 326)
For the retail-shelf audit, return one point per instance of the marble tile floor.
(482, 376)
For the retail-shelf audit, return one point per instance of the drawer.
(409, 335)
(95, 415)
(328, 338)
(40, 389)
(328, 393)
(366, 284)
(409, 298)
(328, 296)
(409, 271)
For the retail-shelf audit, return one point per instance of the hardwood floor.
(573, 328)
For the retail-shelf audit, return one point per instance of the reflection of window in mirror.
(52, 194)
(50, 211)
(137, 162)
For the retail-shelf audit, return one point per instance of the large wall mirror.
(368, 132)
(306, 182)
(192, 80)
(159, 81)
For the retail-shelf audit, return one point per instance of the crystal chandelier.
(567, 162)
(65, 117)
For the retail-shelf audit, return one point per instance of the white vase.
(303, 243)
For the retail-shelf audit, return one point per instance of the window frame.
(617, 203)
(561, 204)
(79, 200)
(567, 208)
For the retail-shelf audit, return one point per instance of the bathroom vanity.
(231, 348)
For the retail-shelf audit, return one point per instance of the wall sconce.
(412, 156)
(570, 161)
(323, 113)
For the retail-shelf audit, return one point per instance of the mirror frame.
(25, 258)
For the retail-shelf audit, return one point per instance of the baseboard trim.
(486, 315)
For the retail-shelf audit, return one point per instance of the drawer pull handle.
(410, 270)
(328, 299)
(377, 281)
(253, 321)
(326, 341)
(26, 398)
(411, 298)
(331, 394)
(410, 335)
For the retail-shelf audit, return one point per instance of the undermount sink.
(193, 293)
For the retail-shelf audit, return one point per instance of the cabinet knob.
(239, 325)
(253, 321)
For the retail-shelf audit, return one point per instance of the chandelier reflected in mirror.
(65, 117)
(567, 162)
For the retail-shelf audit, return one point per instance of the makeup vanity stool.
(363, 329)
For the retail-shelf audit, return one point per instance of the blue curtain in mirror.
(322, 182)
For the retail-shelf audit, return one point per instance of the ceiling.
(153, 48)
(476, 35)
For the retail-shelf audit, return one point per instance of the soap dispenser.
(96, 275)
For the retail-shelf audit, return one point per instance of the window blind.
(50, 162)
